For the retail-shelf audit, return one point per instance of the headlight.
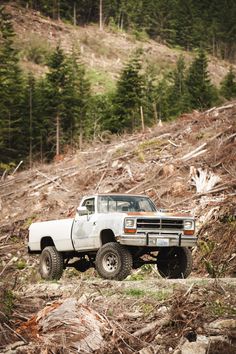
(130, 223)
(188, 225)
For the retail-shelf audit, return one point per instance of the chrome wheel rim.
(46, 265)
(110, 262)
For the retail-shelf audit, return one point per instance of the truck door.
(84, 228)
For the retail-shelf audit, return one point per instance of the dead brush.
(187, 311)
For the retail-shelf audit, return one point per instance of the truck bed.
(58, 230)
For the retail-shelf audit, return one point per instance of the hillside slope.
(188, 165)
(103, 52)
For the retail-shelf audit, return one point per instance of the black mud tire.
(113, 261)
(51, 264)
(174, 262)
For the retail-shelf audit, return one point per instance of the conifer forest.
(102, 104)
(41, 117)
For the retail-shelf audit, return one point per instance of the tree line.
(210, 24)
(44, 117)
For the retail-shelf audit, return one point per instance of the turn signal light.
(130, 231)
(188, 232)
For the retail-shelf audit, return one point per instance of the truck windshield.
(124, 203)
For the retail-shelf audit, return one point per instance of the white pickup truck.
(115, 233)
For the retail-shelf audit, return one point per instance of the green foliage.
(213, 269)
(7, 302)
(37, 50)
(228, 85)
(140, 35)
(11, 84)
(161, 99)
(200, 91)
(219, 309)
(135, 292)
(42, 117)
(228, 219)
(21, 264)
(135, 277)
(177, 94)
(76, 97)
(6, 167)
(28, 222)
(185, 23)
(128, 97)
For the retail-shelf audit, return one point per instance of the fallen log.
(52, 180)
(151, 326)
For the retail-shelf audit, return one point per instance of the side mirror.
(82, 210)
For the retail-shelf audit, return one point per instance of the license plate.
(162, 242)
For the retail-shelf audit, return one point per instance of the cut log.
(53, 181)
(70, 322)
(192, 153)
(151, 326)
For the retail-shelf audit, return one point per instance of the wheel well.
(46, 241)
(107, 235)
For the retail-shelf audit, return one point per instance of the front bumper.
(158, 239)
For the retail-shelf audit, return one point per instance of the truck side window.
(90, 205)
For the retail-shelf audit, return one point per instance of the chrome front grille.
(159, 224)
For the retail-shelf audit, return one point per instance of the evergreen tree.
(76, 99)
(177, 96)
(32, 119)
(44, 137)
(201, 92)
(101, 113)
(161, 100)
(228, 85)
(128, 98)
(149, 96)
(11, 87)
(55, 89)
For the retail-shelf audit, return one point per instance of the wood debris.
(157, 163)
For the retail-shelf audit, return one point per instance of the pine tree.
(11, 87)
(161, 100)
(76, 98)
(44, 137)
(55, 85)
(149, 96)
(201, 92)
(128, 98)
(177, 96)
(32, 119)
(228, 85)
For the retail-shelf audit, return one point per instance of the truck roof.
(113, 194)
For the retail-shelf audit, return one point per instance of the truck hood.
(159, 214)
